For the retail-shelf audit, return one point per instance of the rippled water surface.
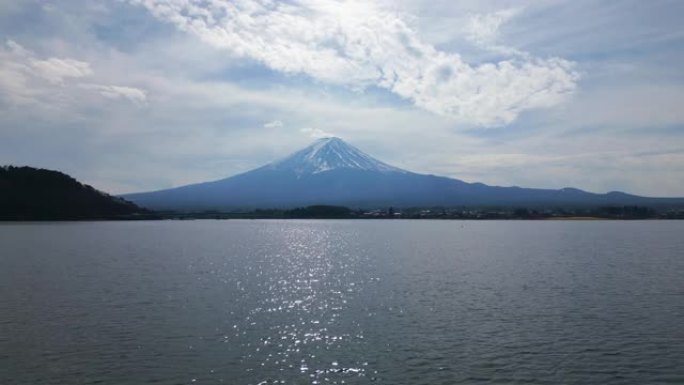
(342, 302)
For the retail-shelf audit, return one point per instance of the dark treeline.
(339, 212)
(309, 212)
(27, 193)
(604, 212)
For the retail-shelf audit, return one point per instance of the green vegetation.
(27, 193)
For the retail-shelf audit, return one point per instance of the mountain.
(333, 172)
(27, 193)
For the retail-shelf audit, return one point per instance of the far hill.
(27, 193)
(333, 172)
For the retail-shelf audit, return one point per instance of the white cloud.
(132, 94)
(56, 70)
(17, 49)
(359, 44)
(20, 63)
(483, 29)
(13, 73)
(315, 133)
(25, 78)
(273, 124)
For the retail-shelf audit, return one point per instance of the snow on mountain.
(330, 154)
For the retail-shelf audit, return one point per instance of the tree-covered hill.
(28, 193)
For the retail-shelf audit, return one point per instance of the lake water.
(333, 302)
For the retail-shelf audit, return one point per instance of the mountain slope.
(333, 172)
(28, 193)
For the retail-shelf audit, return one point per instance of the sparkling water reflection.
(342, 302)
(297, 296)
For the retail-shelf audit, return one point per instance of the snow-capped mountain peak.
(332, 172)
(330, 154)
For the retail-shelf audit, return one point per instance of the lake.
(342, 302)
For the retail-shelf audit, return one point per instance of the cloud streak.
(55, 70)
(359, 44)
(315, 133)
(26, 78)
(273, 124)
(132, 94)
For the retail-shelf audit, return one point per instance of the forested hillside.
(27, 193)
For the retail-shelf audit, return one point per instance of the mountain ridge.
(333, 172)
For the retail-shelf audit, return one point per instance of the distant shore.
(340, 212)
(225, 218)
(462, 213)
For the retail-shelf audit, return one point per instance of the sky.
(139, 95)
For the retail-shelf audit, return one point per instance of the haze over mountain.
(331, 171)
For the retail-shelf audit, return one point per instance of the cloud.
(273, 124)
(315, 133)
(56, 70)
(135, 95)
(483, 30)
(26, 78)
(359, 44)
(16, 48)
